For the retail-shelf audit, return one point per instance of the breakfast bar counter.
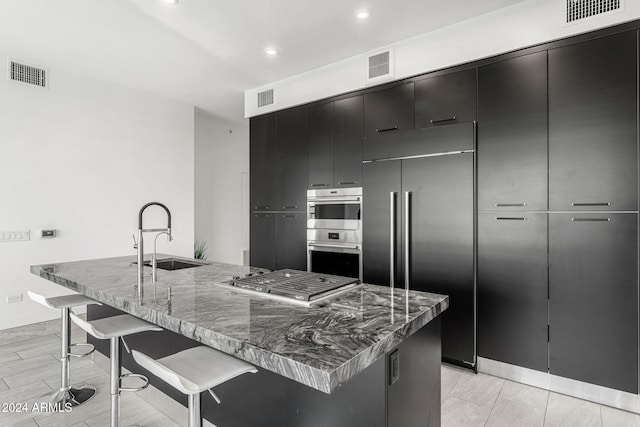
(303, 353)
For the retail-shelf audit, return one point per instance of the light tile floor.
(29, 368)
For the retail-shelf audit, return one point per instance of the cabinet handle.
(262, 215)
(387, 129)
(503, 205)
(347, 183)
(290, 216)
(289, 207)
(392, 239)
(407, 246)
(591, 219)
(319, 185)
(511, 218)
(261, 208)
(591, 204)
(449, 119)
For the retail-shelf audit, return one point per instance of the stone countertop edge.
(322, 380)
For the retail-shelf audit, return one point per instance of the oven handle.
(326, 245)
(335, 200)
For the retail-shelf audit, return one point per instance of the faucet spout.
(140, 245)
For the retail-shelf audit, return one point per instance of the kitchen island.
(332, 364)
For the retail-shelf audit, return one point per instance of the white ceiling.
(207, 52)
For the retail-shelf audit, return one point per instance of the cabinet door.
(593, 298)
(320, 146)
(592, 125)
(446, 99)
(380, 179)
(441, 242)
(347, 140)
(388, 110)
(292, 241)
(263, 240)
(292, 159)
(512, 288)
(263, 160)
(512, 134)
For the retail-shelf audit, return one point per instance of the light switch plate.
(14, 298)
(15, 236)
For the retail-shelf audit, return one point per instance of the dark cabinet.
(335, 144)
(291, 247)
(263, 180)
(593, 298)
(347, 141)
(512, 134)
(512, 288)
(291, 159)
(262, 240)
(436, 195)
(446, 99)
(593, 125)
(389, 110)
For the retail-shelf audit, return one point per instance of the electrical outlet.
(14, 236)
(14, 298)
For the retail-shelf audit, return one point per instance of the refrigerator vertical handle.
(392, 239)
(407, 230)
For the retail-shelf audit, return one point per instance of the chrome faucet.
(140, 244)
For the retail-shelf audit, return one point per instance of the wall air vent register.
(265, 98)
(27, 74)
(579, 10)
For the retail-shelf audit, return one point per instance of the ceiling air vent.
(265, 98)
(578, 10)
(28, 74)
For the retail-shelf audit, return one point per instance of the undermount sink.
(174, 264)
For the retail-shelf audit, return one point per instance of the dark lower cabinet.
(512, 288)
(593, 298)
(593, 114)
(262, 240)
(512, 134)
(291, 248)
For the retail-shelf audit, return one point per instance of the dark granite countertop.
(321, 346)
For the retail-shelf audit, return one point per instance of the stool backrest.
(40, 299)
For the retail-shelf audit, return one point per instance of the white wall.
(222, 187)
(524, 24)
(82, 158)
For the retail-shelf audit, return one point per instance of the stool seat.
(115, 326)
(64, 301)
(195, 369)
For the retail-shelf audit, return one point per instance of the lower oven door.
(340, 260)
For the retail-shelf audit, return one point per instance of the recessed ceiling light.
(271, 51)
(171, 1)
(362, 14)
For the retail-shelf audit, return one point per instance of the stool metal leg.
(195, 418)
(115, 381)
(73, 396)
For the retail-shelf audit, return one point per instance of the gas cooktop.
(302, 286)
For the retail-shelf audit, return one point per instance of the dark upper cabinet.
(512, 134)
(262, 240)
(292, 159)
(263, 179)
(512, 288)
(593, 298)
(446, 99)
(389, 110)
(593, 125)
(320, 146)
(291, 246)
(347, 141)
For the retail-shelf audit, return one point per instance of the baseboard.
(594, 393)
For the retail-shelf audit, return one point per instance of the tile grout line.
(544, 420)
(6, 385)
(601, 419)
(494, 402)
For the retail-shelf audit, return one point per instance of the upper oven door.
(341, 214)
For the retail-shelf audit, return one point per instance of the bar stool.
(115, 328)
(194, 370)
(67, 394)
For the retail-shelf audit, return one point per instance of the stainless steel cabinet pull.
(290, 216)
(261, 208)
(591, 204)
(503, 205)
(289, 207)
(392, 239)
(590, 219)
(319, 185)
(347, 183)
(407, 231)
(387, 129)
(511, 218)
(448, 119)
